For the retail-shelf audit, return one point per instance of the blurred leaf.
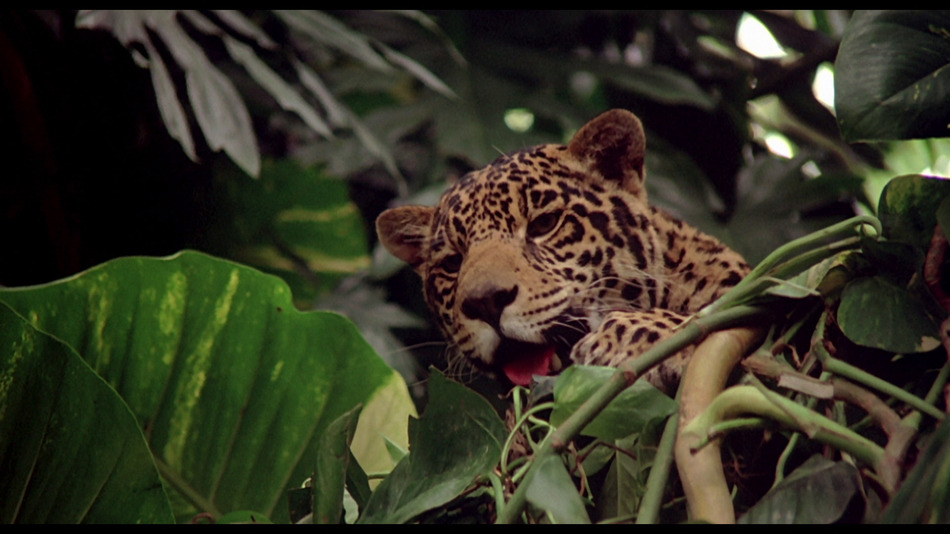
(628, 413)
(457, 439)
(892, 79)
(243, 517)
(328, 31)
(876, 313)
(286, 96)
(553, 491)
(233, 385)
(70, 450)
(297, 223)
(658, 83)
(818, 492)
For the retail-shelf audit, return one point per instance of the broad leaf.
(892, 75)
(628, 413)
(876, 313)
(457, 439)
(231, 383)
(70, 449)
(819, 491)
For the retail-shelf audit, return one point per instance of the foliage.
(231, 386)
(338, 114)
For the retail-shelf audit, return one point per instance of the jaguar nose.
(488, 304)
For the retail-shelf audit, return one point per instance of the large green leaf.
(70, 450)
(892, 75)
(458, 438)
(232, 385)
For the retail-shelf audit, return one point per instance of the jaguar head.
(521, 258)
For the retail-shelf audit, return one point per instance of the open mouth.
(519, 360)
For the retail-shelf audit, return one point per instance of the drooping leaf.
(70, 449)
(892, 75)
(628, 413)
(819, 491)
(457, 439)
(231, 383)
(876, 313)
(279, 88)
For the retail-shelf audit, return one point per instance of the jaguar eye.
(451, 264)
(543, 223)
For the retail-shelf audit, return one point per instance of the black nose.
(488, 304)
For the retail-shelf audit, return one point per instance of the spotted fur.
(556, 246)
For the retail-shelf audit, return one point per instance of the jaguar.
(552, 255)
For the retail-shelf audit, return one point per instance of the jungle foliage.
(267, 377)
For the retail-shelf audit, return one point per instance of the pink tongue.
(537, 362)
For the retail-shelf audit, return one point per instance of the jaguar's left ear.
(613, 144)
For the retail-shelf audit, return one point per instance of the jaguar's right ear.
(404, 231)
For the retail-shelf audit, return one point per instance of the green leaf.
(908, 208)
(552, 490)
(333, 457)
(624, 483)
(892, 75)
(231, 383)
(457, 440)
(628, 413)
(876, 313)
(70, 450)
(819, 491)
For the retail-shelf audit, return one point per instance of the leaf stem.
(652, 500)
(749, 399)
(802, 247)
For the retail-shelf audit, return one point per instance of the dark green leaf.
(457, 439)
(333, 457)
(908, 208)
(623, 484)
(625, 415)
(876, 313)
(70, 450)
(233, 385)
(892, 75)
(819, 491)
(553, 491)
(243, 517)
